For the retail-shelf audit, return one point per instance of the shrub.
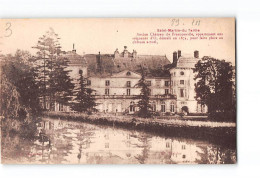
(197, 114)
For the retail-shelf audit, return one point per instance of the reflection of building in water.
(73, 142)
(85, 145)
(175, 151)
(113, 144)
(114, 78)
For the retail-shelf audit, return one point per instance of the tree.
(144, 102)
(53, 76)
(84, 100)
(19, 71)
(9, 98)
(61, 86)
(213, 85)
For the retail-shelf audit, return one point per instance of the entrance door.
(131, 108)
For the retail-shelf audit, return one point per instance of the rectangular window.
(182, 82)
(182, 92)
(172, 108)
(153, 107)
(128, 92)
(162, 108)
(166, 91)
(149, 83)
(166, 83)
(167, 145)
(88, 82)
(128, 83)
(183, 147)
(107, 83)
(106, 91)
(149, 92)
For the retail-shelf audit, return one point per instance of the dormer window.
(128, 73)
(80, 72)
(128, 83)
(182, 73)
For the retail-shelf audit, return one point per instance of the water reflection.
(61, 142)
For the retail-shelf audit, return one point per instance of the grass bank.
(223, 133)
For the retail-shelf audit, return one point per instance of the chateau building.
(183, 83)
(114, 78)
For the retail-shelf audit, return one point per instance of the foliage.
(9, 98)
(53, 76)
(144, 102)
(61, 85)
(84, 100)
(19, 77)
(213, 85)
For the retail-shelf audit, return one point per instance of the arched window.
(153, 104)
(182, 73)
(128, 73)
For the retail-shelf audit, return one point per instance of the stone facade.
(183, 87)
(116, 91)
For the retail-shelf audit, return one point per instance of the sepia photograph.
(118, 91)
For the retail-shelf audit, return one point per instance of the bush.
(155, 114)
(223, 116)
(182, 114)
(197, 114)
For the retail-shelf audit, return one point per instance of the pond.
(66, 142)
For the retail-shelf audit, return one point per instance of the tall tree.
(84, 100)
(61, 86)
(144, 100)
(53, 78)
(214, 84)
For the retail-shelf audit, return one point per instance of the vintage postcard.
(118, 91)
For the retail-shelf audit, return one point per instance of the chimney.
(134, 54)
(74, 50)
(175, 59)
(179, 54)
(196, 54)
(99, 63)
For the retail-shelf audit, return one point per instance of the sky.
(106, 34)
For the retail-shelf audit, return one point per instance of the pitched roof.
(109, 65)
(187, 62)
(75, 59)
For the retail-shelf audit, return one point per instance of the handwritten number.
(8, 29)
(175, 22)
(196, 22)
